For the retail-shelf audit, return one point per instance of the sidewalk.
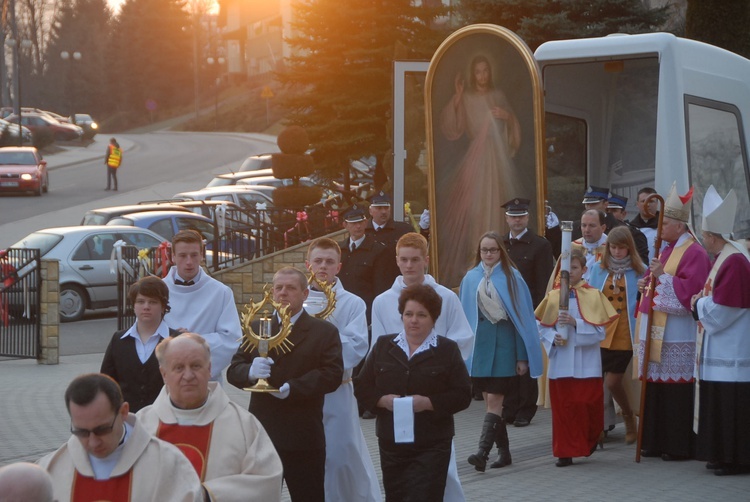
(34, 422)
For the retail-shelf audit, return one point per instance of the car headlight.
(94, 125)
(27, 177)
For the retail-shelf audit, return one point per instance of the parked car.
(256, 162)
(37, 122)
(168, 223)
(85, 122)
(84, 254)
(22, 169)
(103, 215)
(9, 134)
(205, 208)
(253, 178)
(242, 196)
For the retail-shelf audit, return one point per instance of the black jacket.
(313, 368)
(389, 236)
(140, 383)
(533, 258)
(438, 373)
(364, 271)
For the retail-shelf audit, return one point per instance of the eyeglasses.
(100, 431)
(489, 250)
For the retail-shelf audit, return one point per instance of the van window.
(717, 155)
(566, 164)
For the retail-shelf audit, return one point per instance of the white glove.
(261, 368)
(283, 392)
(552, 220)
(424, 220)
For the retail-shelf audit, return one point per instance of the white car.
(84, 253)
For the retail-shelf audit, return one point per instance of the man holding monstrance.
(303, 370)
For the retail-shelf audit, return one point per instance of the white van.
(629, 111)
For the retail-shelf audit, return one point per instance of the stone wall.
(247, 280)
(49, 350)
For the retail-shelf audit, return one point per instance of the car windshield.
(220, 182)
(10, 158)
(44, 242)
(255, 163)
(94, 219)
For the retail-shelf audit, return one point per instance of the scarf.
(618, 267)
(488, 299)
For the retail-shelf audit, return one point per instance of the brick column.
(49, 349)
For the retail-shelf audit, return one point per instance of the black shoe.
(672, 458)
(479, 462)
(368, 415)
(712, 466)
(521, 422)
(564, 462)
(732, 470)
(650, 453)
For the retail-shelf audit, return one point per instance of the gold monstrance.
(329, 293)
(265, 340)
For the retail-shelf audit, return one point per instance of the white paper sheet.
(403, 420)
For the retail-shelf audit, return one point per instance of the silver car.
(84, 253)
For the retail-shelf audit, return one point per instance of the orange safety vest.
(115, 157)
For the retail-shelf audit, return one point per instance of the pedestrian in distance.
(498, 305)
(113, 160)
(130, 357)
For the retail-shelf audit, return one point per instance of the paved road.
(155, 166)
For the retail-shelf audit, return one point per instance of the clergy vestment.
(575, 369)
(207, 308)
(668, 413)
(451, 323)
(239, 461)
(350, 473)
(148, 470)
(724, 313)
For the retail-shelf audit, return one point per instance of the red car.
(23, 170)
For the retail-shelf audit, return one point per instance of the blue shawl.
(524, 321)
(597, 279)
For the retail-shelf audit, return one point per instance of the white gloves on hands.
(552, 220)
(261, 368)
(283, 392)
(424, 220)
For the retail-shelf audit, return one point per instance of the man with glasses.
(110, 456)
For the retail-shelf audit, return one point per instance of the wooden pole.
(647, 345)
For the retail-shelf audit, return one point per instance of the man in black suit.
(384, 229)
(363, 260)
(293, 416)
(533, 257)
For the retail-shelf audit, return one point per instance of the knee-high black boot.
(489, 429)
(503, 447)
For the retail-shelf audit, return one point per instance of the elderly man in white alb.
(412, 260)
(350, 474)
(201, 304)
(229, 449)
(115, 458)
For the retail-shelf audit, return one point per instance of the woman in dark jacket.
(130, 357)
(423, 376)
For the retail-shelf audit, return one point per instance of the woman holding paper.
(414, 381)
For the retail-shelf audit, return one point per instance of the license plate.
(8, 183)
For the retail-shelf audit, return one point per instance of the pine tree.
(538, 21)
(339, 80)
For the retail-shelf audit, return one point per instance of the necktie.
(378, 229)
(184, 283)
(352, 247)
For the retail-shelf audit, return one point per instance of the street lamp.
(14, 46)
(67, 56)
(219, 60)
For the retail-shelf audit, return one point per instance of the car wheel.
(46, 183)
(40, 189)
(72, 303)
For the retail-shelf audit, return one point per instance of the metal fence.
(20, 302)
(243, 234)
(128, 271)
